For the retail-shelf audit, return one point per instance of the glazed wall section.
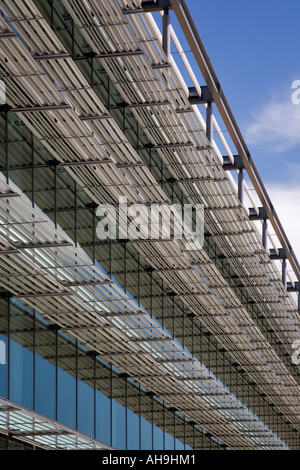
(47, 372)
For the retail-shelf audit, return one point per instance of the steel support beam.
(86, 162)
(198, 180)
(95, 117)
(111, 55)
(151, 240)
(150, 103)
(41, 432)
(241, 186)
(166, 33)
(9, 251)
(183, 111)
(88, 283)
(209, 122)
(151, 340)
(132, 11)
(130, 165)
(176, 145)
(46, 107)
(284, 272)
(42, 294)
(33, 246)
(7, 34)
(161, 66)
(9, 194)
(264, 234)
(59, 55)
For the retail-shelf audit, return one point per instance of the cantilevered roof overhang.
(51, 96)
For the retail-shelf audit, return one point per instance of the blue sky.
(254, 48)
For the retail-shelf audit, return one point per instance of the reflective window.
(66, 382)
(86, 396)
(3, 348)
(45, 372)
(118, 413)
(21, 356)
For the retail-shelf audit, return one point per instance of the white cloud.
(286, 201)
(276, 125)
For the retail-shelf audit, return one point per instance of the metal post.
(299, 303)
(209, 122)
(264, 234)
(284, 272)
(240, 186)
(166, 32)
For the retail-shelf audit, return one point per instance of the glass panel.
(169, 442)
(158, 438)
(21, 355)
(169, 428)
(133, 421)
(45, 371)
(85, 393)
(146, 434)
(3, 142)
(3, 347)
(179, 445)
(118, 413)
(103, 403)
(66, 376)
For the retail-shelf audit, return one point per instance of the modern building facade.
(129, 342)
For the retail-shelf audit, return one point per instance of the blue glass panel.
(3, 367)
(179, 445)
(21, 355)
(85, 408)
(66, 401)
(158, 438)
(146, 434)
(169, 441)
(133, 428)
(21, 375)
(66, 380)
(118, 426)
(103, 418)
(45, 392)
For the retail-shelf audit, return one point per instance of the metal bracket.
(281, 254)
(237, 165)
(291, 288)
(155, 5)
(262, 215)
(206, 96)
(5, 108)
